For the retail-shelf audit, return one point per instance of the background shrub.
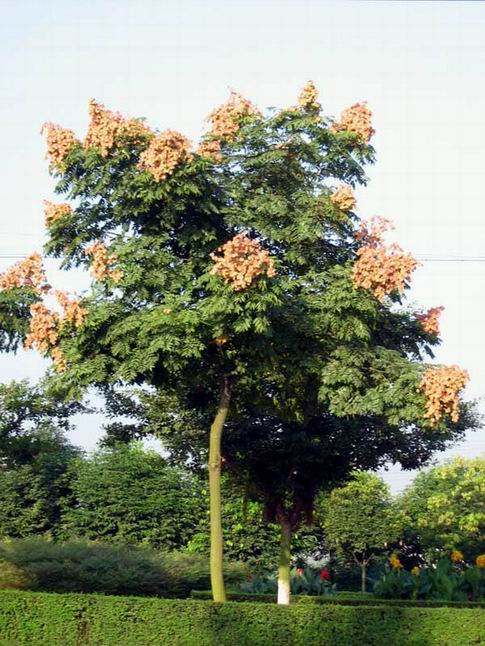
(80, 566)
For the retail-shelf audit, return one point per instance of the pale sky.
(420, 66)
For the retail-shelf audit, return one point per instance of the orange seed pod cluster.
(225, 120)
(383, 269)
(44, 329)
(371, 232)
(54, 212)
(356, 119)
(430, 320)
(59, 143)
(72, 311)
(308, 98)
(343, 198)
(441, 387)
(59, 359)
(25, 273)
(106, 127)
(164, 154)
(241, 261)
(102, 264)
(210, 149)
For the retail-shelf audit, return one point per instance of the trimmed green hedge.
(344, 600)
(43, 619)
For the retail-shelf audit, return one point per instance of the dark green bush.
(39, 619)
(341, 599)
(79, 566)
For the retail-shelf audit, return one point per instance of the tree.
(126, 494)
(444, 508)
(359, 520)
(34, 458)
(234, 277)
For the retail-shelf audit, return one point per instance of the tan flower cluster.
(25, 273)
(59, 359)
(105, 127)
(164, 154)
(102, 265)
(441, 387)
(226, 120)
(371, 232)
(72, 311)
(308, 98)
(383, 269)
(356, 119)
(59, 143)
(210, 149)
(242, 261)
(343, 198)
(44, 329)
(55, 212)
(430, 320)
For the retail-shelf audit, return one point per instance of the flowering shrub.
(441, 387)
(356, 119)
(164, 154)
(241, 261)
(448, 580)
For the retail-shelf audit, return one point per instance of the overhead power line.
(17, 256)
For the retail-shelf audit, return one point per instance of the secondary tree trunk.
(364, 575)
(284, 563)
(216, 549)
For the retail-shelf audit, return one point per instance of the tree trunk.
(216, 548)
(364, 576)
(284, 564)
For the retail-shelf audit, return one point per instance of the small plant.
(448, 580)
(303, 581)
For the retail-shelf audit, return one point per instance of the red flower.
(325, 574)
(299, 571)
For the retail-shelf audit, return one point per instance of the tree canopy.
(444, 508)
(234, 276)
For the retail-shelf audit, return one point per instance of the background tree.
(34, 458)
(360, 521)
(130, 495)
(235, 276)
(444, 508)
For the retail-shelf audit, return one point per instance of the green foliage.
(36, 619)
(359, 519)
(128, 495)
(444, 581)
(80, 566)
(303, 581)
(342, 599)
(444, 508)
(35, 456)
(31, 421)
